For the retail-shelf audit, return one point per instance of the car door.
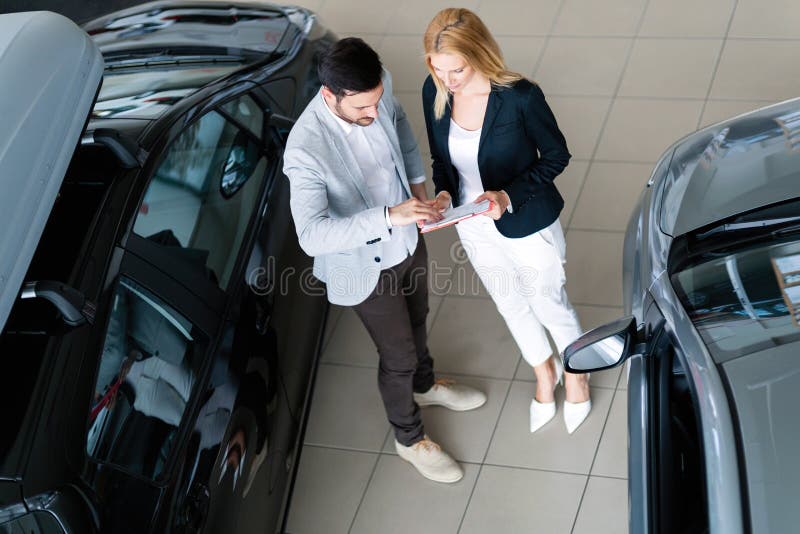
(207, 201)
(666, 470)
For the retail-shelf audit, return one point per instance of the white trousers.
(525, 278)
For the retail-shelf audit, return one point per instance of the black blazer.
(521, 151)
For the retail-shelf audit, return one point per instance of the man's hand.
(500, 202)
(411, 211)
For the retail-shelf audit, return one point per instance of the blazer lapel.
(343, 151)
(394, 145)
(492, 109)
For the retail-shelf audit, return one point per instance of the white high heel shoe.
(575, 413)
(542, 412)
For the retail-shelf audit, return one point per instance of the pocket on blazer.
(506, 127)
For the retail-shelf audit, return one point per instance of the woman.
(492, 136)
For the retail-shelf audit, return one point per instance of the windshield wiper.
(750, 225)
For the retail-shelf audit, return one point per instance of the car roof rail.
(126, 150)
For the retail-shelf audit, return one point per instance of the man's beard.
(363, 121)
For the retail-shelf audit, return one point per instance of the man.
(347, 159)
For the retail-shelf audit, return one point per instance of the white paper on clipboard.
(454, 215)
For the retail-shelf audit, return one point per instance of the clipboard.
(454, 215)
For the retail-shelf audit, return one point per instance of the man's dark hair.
(349, 66)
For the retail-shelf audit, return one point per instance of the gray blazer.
(337, 222)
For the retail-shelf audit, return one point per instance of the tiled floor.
(625, 78)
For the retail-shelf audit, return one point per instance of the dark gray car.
(712, 291)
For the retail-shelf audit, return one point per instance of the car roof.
(743, 163)
(51, 71)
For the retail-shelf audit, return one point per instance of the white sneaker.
(430, 460)
(448, 393)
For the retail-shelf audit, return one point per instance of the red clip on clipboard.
(454, 215)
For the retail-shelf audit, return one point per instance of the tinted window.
(202, 196)
(148, 371)
(33, 523)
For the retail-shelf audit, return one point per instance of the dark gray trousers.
(395, 315)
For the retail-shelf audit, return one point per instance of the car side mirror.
(602, 348)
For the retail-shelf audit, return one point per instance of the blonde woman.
(493, 136)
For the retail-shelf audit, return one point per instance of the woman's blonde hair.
(460, 31)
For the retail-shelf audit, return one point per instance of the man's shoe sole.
(432, 477)
(451, 406)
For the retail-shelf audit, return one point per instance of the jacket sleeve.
(317, 232)
(438, 165)
(408, 144)
(541, 128)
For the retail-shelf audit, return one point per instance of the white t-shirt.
(464, 156)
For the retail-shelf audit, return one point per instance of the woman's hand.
(440, 203)
(500, 202)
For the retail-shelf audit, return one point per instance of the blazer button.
(377, 259)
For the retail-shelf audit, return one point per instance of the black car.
(161, 326)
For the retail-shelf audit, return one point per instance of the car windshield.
(745, 301)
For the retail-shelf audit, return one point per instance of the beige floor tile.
(578, 66)
(346, 410)
(400, 500)
(604, 508)
(612, 455)
(594, 267)
(670, 68)
(569, 185)
(610, 184)
(372, 39)
(623, 378)
(464, 435)
(443, 251)
(413, 16)
(550, 447)
(313, 5)
(403, 56)
(350, 343)
(329, 487)
(687, 18)
(580, 120)
(757, 70)
(470, 338)
(521, 53)
(642, 129)
(589, 17)
(594, 316)
(515, 500)
(720, 110)
(775, 19)
(519, 17)
(346, 17)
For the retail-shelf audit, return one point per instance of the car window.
(148, 372)
(681, 490)
(247, 113)
(203, 193)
